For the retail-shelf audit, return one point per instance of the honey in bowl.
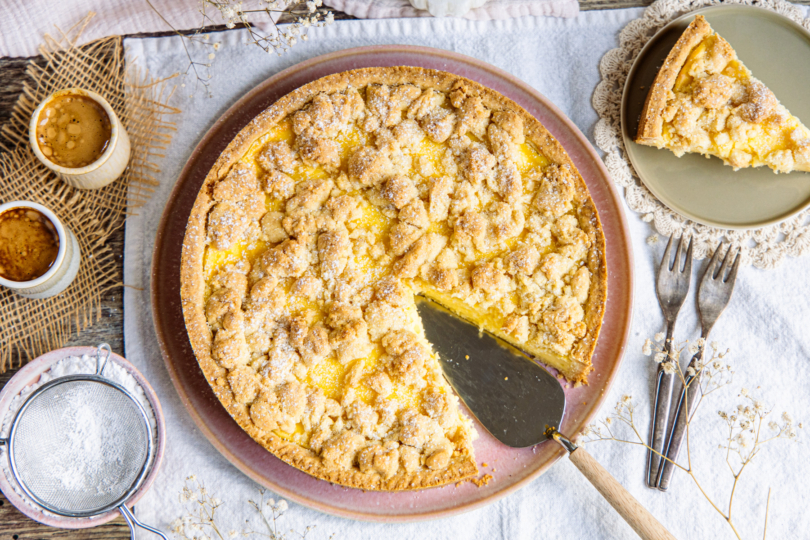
(73, 131)
(29, 244)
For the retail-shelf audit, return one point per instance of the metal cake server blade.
(519, 402)
(514, 398)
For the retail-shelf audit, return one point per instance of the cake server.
(519, 402)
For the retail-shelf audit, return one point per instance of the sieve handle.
(132, 521)
(101, 363)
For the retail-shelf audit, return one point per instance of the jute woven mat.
(32, 327)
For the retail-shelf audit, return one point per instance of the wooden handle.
(645, 525)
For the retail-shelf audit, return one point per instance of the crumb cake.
(322, 220)
(704, 100)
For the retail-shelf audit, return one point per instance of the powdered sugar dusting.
(78, 465)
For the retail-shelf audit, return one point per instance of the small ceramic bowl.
(107, 168)
(63, 270)
(29, 374)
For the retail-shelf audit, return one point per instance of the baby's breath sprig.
(200, 523)
(749, 424)
(277, 40)
(714, 372)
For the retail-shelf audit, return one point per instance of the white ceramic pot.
(107, 168)
(63, 270)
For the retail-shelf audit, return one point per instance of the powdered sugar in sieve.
(81, 445)
(78, 468)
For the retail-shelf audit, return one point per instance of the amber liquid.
(73, 131)
(29, 244)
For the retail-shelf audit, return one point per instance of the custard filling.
(320, 234)
(718, 108)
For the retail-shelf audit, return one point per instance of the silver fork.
(672, 286)
(714, 294)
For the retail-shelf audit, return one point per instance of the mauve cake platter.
(515, 467)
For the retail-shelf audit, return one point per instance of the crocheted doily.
(765, 247)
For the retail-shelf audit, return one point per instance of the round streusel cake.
(327, 214)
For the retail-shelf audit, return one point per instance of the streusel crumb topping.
(716, 107)
(319, 237)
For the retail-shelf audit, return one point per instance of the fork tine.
(732, 275)
(665, 261)
(687, 267)
(726, 261)
(678, 256)
(710, 271)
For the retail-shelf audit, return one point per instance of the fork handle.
(687, 404)
(658, 426)
(660, 415)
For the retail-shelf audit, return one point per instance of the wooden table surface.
(110, 328)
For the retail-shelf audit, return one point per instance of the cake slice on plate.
(705, 101)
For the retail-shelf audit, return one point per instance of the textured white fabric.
(492, 9)
(764, 326)
(24, 22)
(766, 247)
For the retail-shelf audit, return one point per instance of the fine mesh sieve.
(81, 445)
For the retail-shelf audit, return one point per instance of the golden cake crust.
(651, 125)
(193, 284)
(704, 100)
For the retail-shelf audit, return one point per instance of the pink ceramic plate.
(515, 467)
(29, 375)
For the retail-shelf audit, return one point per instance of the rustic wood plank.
(14, 525)
(587, 5)
(12, 77)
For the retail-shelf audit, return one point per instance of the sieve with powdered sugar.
(80, 444)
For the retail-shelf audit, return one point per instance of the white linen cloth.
(25, 22)
(493, 9)
(765, 325)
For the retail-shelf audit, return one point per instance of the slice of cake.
(705, 101)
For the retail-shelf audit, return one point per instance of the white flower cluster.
(669, 362)
(744, 437)
(200, 522)
(232, 13)
(745, 423)
(279, 507)
(714, 372)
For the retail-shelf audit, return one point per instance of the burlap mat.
(33, 327)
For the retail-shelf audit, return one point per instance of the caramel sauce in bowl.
(29, 244)
(75, 133)
(39, 255)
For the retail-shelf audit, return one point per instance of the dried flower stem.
(745, 436)
(201, 519)
(767, 509)
(275, 41)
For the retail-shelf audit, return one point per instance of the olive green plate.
(777, 51)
